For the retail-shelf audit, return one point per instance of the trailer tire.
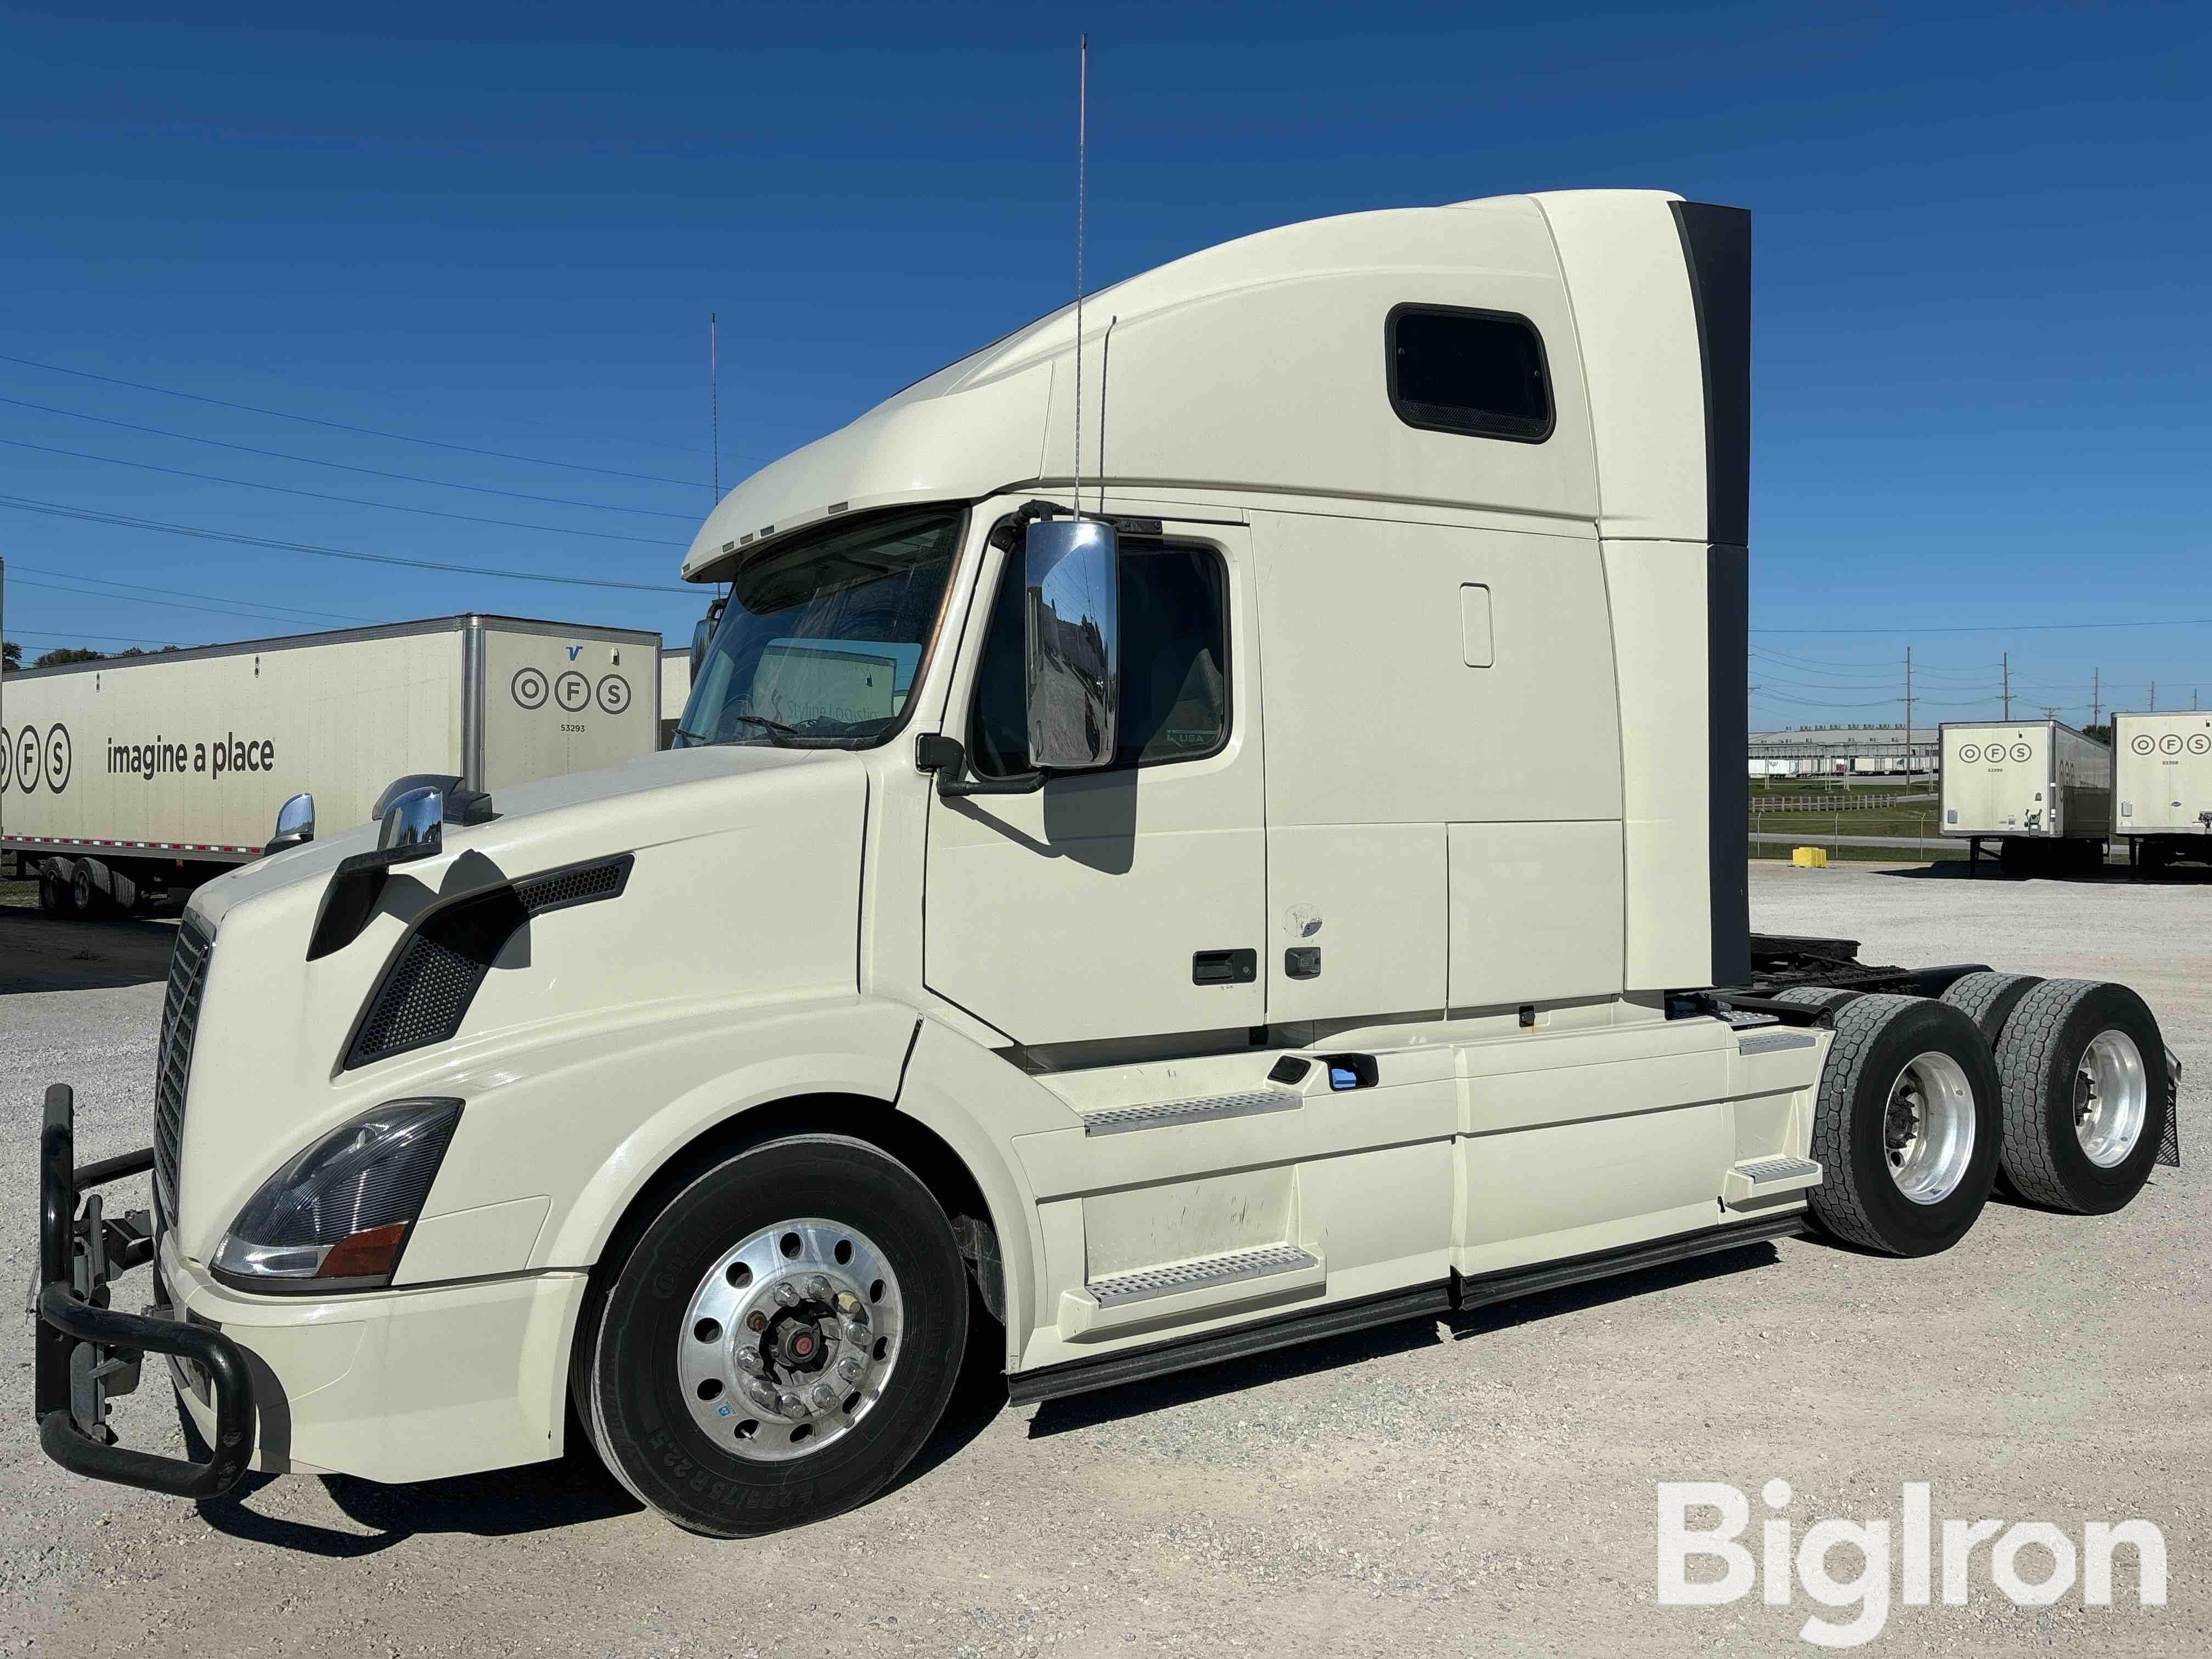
(1911, 1067)
(2073, 1047)
(665, 1390)
(83, 896)
(1989, 999)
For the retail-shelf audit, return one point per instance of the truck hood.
(527, 810)
(741, 884)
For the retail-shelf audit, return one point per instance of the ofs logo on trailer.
(529, 687)
(58, 759)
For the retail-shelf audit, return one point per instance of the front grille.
(181, 1018)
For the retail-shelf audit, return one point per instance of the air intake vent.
(425, 993)
(189, 959)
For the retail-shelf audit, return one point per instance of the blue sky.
(1982, 345)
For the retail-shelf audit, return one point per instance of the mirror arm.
(948, 758)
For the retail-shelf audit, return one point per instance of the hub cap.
(1927, 1132)
(2111, 1098)
(790, 1339)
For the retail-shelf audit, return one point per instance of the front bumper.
(86, 1352)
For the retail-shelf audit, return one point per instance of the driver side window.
(1175, 663)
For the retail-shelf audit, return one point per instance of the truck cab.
(1278, 869)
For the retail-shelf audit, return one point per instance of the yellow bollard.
(1809, 858)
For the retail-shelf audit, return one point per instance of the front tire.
(1906, 1126)
(2083, 1067)
(781, 1339)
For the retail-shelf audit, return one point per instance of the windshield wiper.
(776, 730)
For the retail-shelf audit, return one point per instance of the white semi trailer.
(1306, 888)
(132, 777)
(2161, 786)
(2039, 788)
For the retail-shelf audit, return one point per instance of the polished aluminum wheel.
(2111, 1098)
(1928, 1131)
(790, 1339)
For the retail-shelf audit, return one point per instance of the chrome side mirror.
(1072, 642)
(413, 827)
(296, 824)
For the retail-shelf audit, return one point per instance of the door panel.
(1366, 902)
(1535, 912)
(1073, 913)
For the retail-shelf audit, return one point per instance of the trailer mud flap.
(86, 1352)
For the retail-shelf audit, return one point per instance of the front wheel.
(1906, 1126)
(781, 1342)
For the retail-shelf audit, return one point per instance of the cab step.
(1201, 1286)
(1758, 1178)
(1203, 1109)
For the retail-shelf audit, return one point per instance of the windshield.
(822, 639)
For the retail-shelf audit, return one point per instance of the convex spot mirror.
(1072, 642)
(413, 827)
(296, 824)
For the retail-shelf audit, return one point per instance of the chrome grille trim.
(189, 959)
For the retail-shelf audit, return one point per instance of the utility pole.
(2154, 696)
(2094, 690)
(1908, 717)
(2007, 685)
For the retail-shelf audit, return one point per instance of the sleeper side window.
(1478, 373)
(1175, 663)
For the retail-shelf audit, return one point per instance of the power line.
(2002, 628)
(56, 509)
(348, 500)
(347, 466)
(21, 634)
(173, 605)
(342, 426)
(182, 593)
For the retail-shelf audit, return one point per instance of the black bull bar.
(86, 1352)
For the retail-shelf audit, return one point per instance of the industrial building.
(1825, 752)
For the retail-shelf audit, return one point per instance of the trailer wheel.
(52, 896)
(1906, 1126)
(1988, 1000)
(83, 896)
(781, 1339)
(2084, 1096)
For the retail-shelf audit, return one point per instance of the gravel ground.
(1481, 1485)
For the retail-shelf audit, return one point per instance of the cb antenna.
(1082, 96)
(714, 403)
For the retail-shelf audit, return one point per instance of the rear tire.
(83, 896)
(2083, 1071)
(1906, 1126)
(724, 1296)
(53, 898)
(1988, 1000)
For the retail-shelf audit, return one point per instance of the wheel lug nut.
(791, 1405)
(818, 1288)
(824, 1396)
(786, 1294)
(748, 1359)
(755, 1321)
(763, 1395)
(851, 1369)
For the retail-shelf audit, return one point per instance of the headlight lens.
(337, 1216)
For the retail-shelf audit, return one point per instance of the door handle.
(1225, 967)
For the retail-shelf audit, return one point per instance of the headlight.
(337, 1216)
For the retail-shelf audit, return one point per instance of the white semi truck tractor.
(1295, 883)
